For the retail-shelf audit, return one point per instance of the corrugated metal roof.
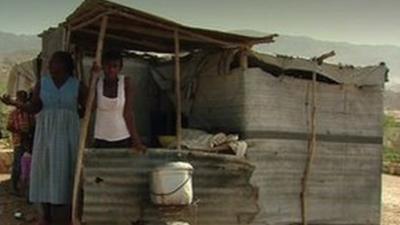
(116, 188)
(133, 29)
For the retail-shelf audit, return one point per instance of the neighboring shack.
(227, 87)
(22, 76)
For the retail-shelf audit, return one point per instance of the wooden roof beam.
(146, 44)
(84, 16)
(91, 21)
(181, 31)
(266, 39)
(147, 31)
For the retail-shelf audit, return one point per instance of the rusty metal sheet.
(116, 188)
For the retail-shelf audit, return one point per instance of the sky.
(356, 21)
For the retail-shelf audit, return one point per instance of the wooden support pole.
(148, 44)
(67, 41)
(85, 125)
(79, 64)
(85, 16)
(311, 150)
(264, 40)
(244, 59)
(312, 139)
(178, 91)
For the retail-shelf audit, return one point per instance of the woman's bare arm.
(130, 117)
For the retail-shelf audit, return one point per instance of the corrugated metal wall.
(345, 182)
(274, 115)
(116, 188)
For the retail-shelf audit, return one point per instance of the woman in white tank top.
(115, 123)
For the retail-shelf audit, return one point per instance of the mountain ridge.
(346, 53)
(10, 42)
(15, 48)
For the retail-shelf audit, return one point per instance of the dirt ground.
(10, 204)
(390, 200)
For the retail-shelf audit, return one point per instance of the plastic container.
(166, 140)
(171, 184)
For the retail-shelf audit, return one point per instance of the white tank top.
(110, 123)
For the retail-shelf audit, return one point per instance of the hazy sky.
(356, 21)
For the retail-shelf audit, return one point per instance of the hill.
(14, 49)
(10, 43)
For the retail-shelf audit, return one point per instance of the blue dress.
(56, 143)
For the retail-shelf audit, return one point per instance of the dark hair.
(112, 55)
(22, 95)
(66, 58)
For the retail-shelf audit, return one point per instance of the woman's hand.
(139, 149)
(6, 99)
(96, 69)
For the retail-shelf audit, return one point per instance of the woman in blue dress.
(57, 99)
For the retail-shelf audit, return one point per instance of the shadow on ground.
(10, 204)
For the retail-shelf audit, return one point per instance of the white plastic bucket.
(171, 184)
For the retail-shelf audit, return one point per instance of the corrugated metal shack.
(227, 87)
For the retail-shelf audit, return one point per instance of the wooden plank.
(85, 124)
(178, 92)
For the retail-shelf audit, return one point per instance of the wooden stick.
(264, 40)
(322, 57)
(79, 63)
(67, 39)
(244, 62)
(311, 150)
(85, 124)
(100, 42)
(154, 32)
(84, 16)
(160, 33)
(178, 92)
(313, 139)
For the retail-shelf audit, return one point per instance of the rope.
(175, 190)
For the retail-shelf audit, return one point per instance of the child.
(19, 124)
(27, 143)
(115, 123)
